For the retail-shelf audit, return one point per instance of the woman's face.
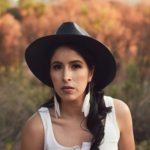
(70, 74)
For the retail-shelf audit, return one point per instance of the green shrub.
(21, 95)
(136, 94)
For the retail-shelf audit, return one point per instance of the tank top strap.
(112, 135)
(109, 102)
(46, 120)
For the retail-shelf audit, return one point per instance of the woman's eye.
(76, 66)
(57, 67)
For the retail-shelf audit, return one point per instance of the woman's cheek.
(54, 77)
(82, 75)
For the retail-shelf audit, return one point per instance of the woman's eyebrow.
(76, 61)
(73, 61)
(56, 62)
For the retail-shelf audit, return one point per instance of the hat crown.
(71, 28)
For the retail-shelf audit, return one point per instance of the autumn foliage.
(124, 29)
(121, 27)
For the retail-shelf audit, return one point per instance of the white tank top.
(111, 131)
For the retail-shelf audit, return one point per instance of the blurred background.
(124, 26)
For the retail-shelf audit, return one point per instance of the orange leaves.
(10, 34)
(119, 26)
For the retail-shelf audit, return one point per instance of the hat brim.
(38, 62)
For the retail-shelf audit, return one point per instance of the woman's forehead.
(65, 52)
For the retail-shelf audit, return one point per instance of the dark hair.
(98, 110)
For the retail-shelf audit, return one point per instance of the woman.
(78, 116)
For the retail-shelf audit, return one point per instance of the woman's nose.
(66, 75)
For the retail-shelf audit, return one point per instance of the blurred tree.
(10, 35)
(15, 12)
(31, 7)
(4, 4)
(25, 3)
(143, 43)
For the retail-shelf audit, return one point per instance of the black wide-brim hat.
(70, 32)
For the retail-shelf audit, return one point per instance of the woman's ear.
(91, 73)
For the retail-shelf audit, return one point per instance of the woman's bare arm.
(124, 120)
(33, 134)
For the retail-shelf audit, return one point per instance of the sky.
(132, 2)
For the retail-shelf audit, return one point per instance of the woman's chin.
(69, 98)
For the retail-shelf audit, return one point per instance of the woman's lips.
(67, 89)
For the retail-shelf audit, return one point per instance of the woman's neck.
(71, 109)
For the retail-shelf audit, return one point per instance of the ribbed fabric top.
(111, 136)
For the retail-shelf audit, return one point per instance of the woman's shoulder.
(34, 122)
(125, 125)
(123, 114)
(120, 107)
(33, 133)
